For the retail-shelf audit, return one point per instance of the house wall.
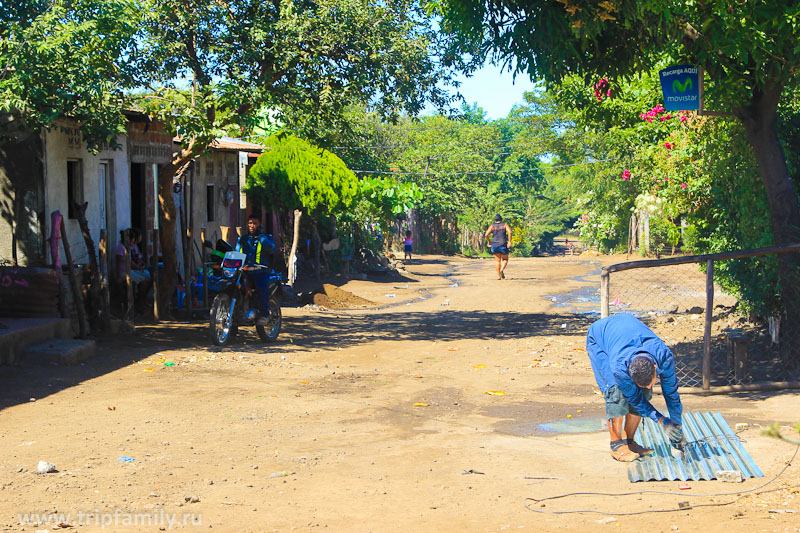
(22, 201)
(221, 170)
(64, 143)
(149, 145)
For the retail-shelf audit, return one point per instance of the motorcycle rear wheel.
(221, 325)
(270, 333)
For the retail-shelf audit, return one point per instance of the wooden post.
(126, 240)
(83, 324)
(188, 259)
(155, 276)
(740, 357)
(732, 335)
(205, 267)
(604, 283)
(709, 317)
(95, 295)
(103, 256)
(293, 253)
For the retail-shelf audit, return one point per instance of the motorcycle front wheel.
(270, 333)
(221, 322)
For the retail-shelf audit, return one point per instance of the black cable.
(739, 493)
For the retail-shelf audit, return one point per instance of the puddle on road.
(579, 425)
(424, 294)
(573, 425)
(583, 300)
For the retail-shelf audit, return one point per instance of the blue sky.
(495, 91)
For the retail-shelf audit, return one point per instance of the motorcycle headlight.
(228, 272)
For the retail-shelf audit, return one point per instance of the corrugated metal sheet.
(712, 446)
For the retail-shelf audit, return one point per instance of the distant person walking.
(500, 233)
(408, 245)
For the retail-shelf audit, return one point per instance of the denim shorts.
(617, 405)
(501, 249)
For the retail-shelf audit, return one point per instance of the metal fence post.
(604, 281)
(709, 317)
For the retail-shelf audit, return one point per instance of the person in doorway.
(257, 247)
(408, 245)
(140, 276)
(627, 358)
(500, 235)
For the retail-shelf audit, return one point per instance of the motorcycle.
(236, 303)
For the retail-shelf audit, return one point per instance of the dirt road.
(369, 419)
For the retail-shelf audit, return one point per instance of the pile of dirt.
(333, 297)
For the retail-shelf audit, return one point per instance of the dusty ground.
(361, 420)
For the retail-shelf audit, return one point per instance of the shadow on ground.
(313, 331)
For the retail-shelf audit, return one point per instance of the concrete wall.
(63, 143)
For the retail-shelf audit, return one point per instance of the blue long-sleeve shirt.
(613, 342)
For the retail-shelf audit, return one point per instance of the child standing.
(407, 246)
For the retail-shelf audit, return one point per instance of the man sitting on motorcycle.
(258, 247)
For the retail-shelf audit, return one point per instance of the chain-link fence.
(713, 343)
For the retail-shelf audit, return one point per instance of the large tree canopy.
(220, 64)
(67, 58)
(751, 51)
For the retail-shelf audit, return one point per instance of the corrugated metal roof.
(229, 143)
(711, 446)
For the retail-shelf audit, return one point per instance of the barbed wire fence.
(714, 346)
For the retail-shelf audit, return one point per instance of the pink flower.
(608, 93)
(683, 185)
(669, 146)
(626, 174)
(683, 118)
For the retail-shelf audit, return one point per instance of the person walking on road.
(627, 358)
(500, 233)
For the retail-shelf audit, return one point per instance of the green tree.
(67, 58)
(218, 65)
(382, 200)
(294, 174)
(749, 50)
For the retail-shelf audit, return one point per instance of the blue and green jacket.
(257, 248)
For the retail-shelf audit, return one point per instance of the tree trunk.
(760, 123)
(278, 259)
(99, 314)
(166, 224)
(295, 239)
(315, 238)
(320, 253)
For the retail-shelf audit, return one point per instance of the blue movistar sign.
(681, 88)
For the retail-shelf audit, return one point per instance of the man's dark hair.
(255, 217)
(642, 370)
(498, 218)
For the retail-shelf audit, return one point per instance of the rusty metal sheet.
(712, 446)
